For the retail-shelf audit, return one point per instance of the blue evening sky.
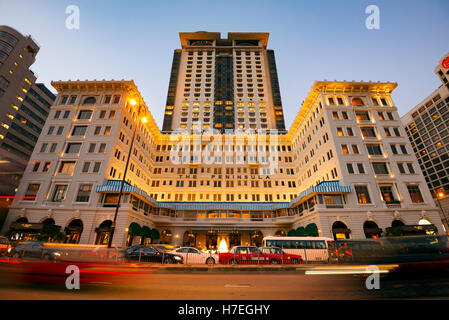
(313, 40)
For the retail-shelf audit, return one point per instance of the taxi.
(278, 256)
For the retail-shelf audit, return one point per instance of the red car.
(243, 255)
(277, 255)
(5, 246)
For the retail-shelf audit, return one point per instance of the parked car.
(35, 249)
(5, 246)
(277, 255)
(151, 254)
(243, 255)
(194, 255)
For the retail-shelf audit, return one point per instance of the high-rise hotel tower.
(223, 84)
(24, 107)
(427, 126)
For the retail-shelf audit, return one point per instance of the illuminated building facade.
(335, 170)
(427, 126)
(24, 106)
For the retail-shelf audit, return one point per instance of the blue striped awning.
(114, 186)
(246, 206)
(323, 187)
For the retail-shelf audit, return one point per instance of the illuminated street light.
(441, 195)
(133, 102)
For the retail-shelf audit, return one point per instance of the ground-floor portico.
(193, 228)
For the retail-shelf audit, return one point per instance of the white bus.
(311, 249)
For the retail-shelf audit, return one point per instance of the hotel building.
(225, 84)
(427, 126)
(24, 106)
(345, 167)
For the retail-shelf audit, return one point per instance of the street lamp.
(144, 120)
(441, 195)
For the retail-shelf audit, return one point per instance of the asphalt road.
(226, 286)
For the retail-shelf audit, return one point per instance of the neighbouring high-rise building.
(427, 126)
(223, 84)
(24, 107)
(345, 168)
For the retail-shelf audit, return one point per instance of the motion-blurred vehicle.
(392, 249)
(35, 249)
(243, 255)
(5, 246)
(279, 256)
(151, 254)
(194, 255)
(354, 250)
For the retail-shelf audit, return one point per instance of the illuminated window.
(362, 194)
(31, 192)
(357, 102)
(59, 193)
(67, 167)
(415, 194)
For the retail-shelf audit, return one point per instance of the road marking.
(237, 285)
(316, 272)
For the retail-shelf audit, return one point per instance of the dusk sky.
(313, 40)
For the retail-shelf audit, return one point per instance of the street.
(221, 286)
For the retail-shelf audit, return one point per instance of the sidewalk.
(180, 268)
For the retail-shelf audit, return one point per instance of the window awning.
(322, 187)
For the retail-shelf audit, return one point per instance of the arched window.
(103, 232)
(371, 229)
(48, 221)
(89, 100)
(424, 221)
(340, 230)
(357, 102)
(73, 231)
